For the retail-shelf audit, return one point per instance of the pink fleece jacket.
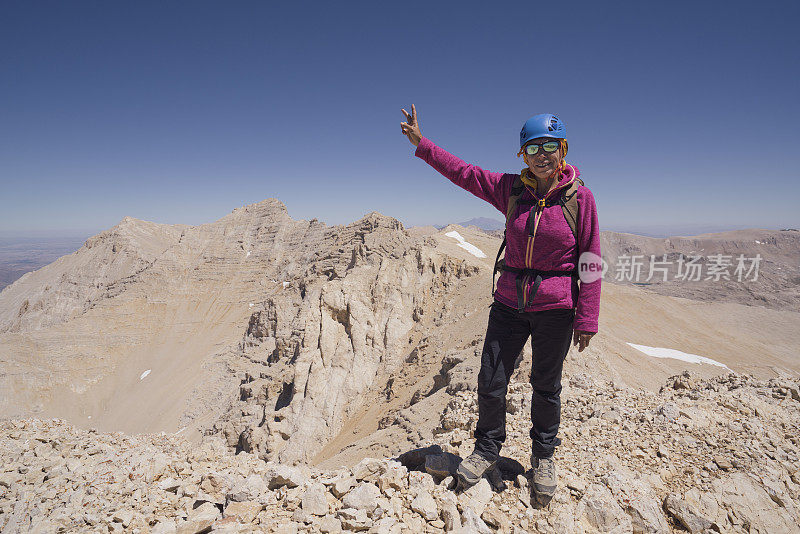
(554, 246)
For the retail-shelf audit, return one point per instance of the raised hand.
(411, 127)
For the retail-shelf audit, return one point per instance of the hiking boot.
(472, 468)
(544, 478)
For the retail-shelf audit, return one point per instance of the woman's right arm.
(486, 185)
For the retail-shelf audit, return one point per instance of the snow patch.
(469, 247)
(144, 374)
(660, 352)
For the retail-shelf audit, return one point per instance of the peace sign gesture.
(411, 128)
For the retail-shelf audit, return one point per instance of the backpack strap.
(517, 188)
(569, 205)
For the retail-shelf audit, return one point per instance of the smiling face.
(543, 164)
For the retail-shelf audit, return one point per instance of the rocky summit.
(713, 455)
(260, 373)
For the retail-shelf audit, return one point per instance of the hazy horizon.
(7, 237)
(20, 254)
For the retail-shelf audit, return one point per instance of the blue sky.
(679, 114)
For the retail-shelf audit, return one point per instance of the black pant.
(506, 335)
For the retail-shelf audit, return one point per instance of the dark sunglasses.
(549, 146)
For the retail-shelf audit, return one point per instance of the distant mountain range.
(484, 223)
(492, 225)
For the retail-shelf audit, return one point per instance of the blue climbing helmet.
(542, 125)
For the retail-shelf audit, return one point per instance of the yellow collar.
(529, 179)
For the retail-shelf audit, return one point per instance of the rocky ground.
(711, 455)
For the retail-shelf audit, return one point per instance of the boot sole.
(467, 482)
(542, 499)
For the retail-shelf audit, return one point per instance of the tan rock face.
(100, 269)
(141, 297)
(325, 343)
(141, 329)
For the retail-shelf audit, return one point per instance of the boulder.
(687, 514)
(425, 505)
(244, 511)
(362, 497)
(598, 510)
(315, 500)
(248, 489)
(283, 475)
(476, 497)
